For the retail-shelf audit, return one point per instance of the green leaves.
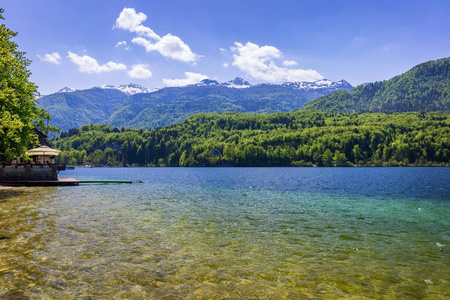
(19, 113)
(302, 138)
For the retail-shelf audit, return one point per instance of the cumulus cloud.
(87, 64)
(169, 45)
(53, 58)
(191, 78)
(289, 63)
(139, 71)
(131, 21)
(259, 63)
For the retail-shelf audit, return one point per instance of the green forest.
(301, 138)
(425, 87)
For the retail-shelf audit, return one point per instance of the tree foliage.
(302, 138)
(19, 113)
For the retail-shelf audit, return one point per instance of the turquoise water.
(230, 233)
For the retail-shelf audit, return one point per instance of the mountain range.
(128, 89)
(425, 87)
(131, 89)
(138, 107)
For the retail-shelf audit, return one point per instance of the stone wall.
(28, 173)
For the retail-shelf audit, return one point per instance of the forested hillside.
(302, 138)
(173, 105)
(425, 87)
(74, 109)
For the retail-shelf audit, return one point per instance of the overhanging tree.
(19, 113)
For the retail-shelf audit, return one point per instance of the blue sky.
(82, 44)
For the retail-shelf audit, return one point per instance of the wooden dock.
(62, 182)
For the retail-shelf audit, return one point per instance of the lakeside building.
(42, 168)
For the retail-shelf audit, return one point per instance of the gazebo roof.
(43, 150)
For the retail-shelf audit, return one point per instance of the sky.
(82, 44)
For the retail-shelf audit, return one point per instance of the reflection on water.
(226, 234)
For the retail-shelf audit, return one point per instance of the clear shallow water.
(228, 233)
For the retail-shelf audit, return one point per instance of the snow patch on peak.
(67, 90)
(323, 82)
(318, 85)
(237, 83)
(129, 89)
(208, 82)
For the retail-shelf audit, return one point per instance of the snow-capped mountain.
(319, 84)
(129, 89)
(66, 90)
(206, 82)
(139, 107)
(323, 84)
(237, 83)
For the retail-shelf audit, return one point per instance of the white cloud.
(226, 65)
(191, 78)
(131, 21)
(169, 45)
(87, 64)
(123, 43)
(259, 63)
(300, 75)
(53, 58)
(139, 71)
(289, 63)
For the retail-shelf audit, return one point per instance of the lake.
(230, 233)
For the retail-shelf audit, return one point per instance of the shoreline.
(272, 166)
(7, 187)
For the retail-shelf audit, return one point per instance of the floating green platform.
(106, 181)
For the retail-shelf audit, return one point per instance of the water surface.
(229, 233)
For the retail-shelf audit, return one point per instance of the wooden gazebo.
(43, 155)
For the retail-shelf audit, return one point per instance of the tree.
(339, 158)
(372, 139)
(19, 113)
(98, 157)
(327, 158)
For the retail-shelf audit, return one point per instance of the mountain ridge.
(123, 106)
(425, 87)
(132, 88)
